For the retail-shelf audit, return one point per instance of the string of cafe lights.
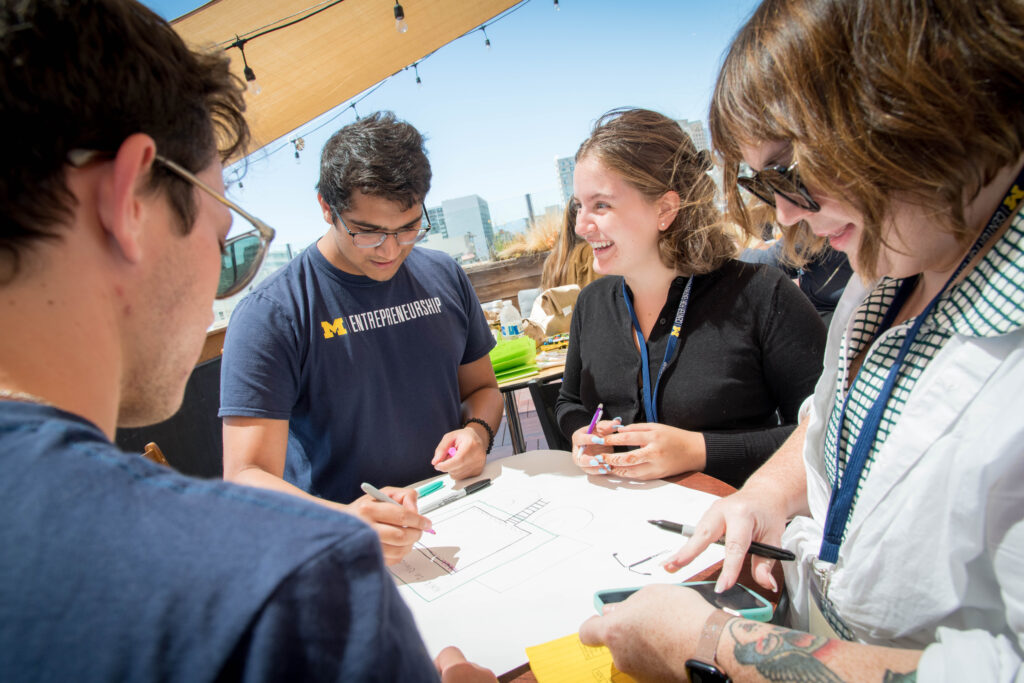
(297, 143)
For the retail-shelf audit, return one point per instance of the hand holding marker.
(599, 460)
(760, 549)
(384, 498)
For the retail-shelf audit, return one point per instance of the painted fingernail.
(600, 458)
(607, 470)
(618, 419)
(594, 462)
(719, 585)
(596, 439)
(775, 586)
(616, 427)
(431, 531)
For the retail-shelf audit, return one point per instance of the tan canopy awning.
(312, 66)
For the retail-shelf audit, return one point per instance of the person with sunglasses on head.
(113, 244)
(365, 359)
(704, 360)
(894, 131)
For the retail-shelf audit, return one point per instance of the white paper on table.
(517, 563)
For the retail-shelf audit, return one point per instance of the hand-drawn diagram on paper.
(525, 555)
(499, 538)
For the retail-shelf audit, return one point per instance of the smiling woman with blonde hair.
(704, 359)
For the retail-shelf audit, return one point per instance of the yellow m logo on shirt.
(1013, 197)
(335, 328)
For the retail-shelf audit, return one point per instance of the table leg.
(515, 428)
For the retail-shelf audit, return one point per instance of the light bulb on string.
(253, 84)
(416, 68)
(400, 24)
(300, 145)
(487, 40)
(557, 8)
(250, 75)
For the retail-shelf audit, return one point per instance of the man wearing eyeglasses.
(112, 224)
(365, 359)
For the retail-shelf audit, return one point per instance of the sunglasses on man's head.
(783, 181)
(241, 256)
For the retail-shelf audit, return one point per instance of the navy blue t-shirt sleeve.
(260, 369)
(338, 617)
(479, 339)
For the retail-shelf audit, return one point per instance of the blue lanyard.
(840, 504)
(650, 395)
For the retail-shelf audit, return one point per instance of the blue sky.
(496, 119)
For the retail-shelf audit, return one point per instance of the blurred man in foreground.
(113, 219)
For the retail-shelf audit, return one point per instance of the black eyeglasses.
(779, 180)
(242, 255)
(370, 240)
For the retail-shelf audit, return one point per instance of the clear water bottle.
(511, 322)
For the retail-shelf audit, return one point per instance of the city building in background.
(437, 222)
(697, 133)
(702, 141)
(471, 215)
(564, 167)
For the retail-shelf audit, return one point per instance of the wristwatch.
(702, 669)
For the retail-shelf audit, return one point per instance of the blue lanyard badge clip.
(840, 505)
(650, 393)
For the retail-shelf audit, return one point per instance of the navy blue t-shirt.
(113, 568)
(366, 372)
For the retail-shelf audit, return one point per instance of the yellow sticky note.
(567, 660)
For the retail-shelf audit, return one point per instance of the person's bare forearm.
(783, 477)
(486, 404)
(750, 652)
(260, 478)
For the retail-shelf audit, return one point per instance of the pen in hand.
(590, 429)
(374, 492)
(759, 549)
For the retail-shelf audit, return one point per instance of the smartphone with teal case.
(738, 599)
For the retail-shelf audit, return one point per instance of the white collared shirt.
(934, 549)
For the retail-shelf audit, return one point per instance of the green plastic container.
(513, 354)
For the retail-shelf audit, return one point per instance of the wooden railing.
(503, 279)
(214, 345)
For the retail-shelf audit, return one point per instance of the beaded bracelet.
(490, 432)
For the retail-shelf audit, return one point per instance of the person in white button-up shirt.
(893, 131)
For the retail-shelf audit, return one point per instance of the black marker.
(451, 498)
(760, 549)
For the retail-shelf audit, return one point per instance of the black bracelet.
(490, 432)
